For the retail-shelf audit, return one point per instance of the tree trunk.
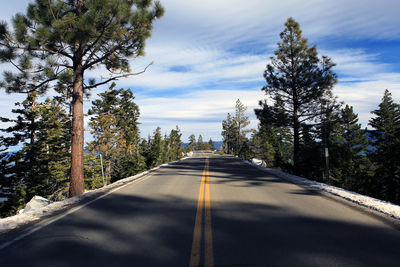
(76, 178)
(296, 148)
(76, 186)
(296, 141)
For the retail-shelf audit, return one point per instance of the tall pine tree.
(386, 143)
(58, 37)
(298, 78)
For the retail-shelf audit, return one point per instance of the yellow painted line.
(196, 244)
(204, 197)
(208, 252)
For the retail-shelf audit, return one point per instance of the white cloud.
(365, 96)
(227, 43)
(199, 112)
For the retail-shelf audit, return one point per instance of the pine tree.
(262, 148)
(116, 133)
(229, 134)
(192, 142)
(93, 172)
(386, 143)
(297, 78)
(53, 144)
(350, 161)
(175, 144)
(156, 148)
(200, 143)
(58, 37)
(41, 165)
(211, 145)
(145, 151)
(241, 121)
(273, 131)
(327, 129)
(20, 167)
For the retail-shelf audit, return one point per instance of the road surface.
(210, 211)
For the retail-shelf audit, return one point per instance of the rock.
(36, 203)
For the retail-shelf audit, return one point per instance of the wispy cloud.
(209, 53)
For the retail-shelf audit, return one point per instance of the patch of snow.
(385, 207)
(13, 222)
(258, 162)
(188, 154)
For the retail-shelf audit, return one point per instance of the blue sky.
(209, 53)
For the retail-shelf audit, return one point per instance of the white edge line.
(142, 177)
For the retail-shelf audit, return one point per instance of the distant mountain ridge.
(217, 145)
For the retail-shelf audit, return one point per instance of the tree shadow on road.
(132, 230)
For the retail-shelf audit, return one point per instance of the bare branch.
(118, 77)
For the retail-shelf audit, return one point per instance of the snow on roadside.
(15, 221)
(387, 208)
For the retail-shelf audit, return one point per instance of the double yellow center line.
(203, 202)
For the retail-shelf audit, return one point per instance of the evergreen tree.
(350, 163)
(156, 148)
(262, 148)
(386, 143)
(229, 134)
(175, 144)
(93, 172)
(12, 187)
(273, 131)
(192, 142)
(165, 149)
(59, 37)
(200, 143)
(19, 168)
(53, 142)
(211, 145)
(241, 121)
(145, 151)
(318, 141)
(116, 133)
(298, 79)
(40, 167)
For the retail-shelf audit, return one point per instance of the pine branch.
(118, 77)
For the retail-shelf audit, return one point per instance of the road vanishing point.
(210, 210)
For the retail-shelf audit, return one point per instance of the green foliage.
(156, 149)
(41, 166)
(302, 118)
(349, 160)
(116, 133)
(262, 147)
(229, 130)
(57, 41)
(175, 145)
(386, 140)
(192, 142)
(211, 145)
(234, 132)
(93, 173)
(296, 79)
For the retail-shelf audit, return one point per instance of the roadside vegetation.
(51, 48)
(304, 130)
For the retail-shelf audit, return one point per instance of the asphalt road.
(210, 210)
